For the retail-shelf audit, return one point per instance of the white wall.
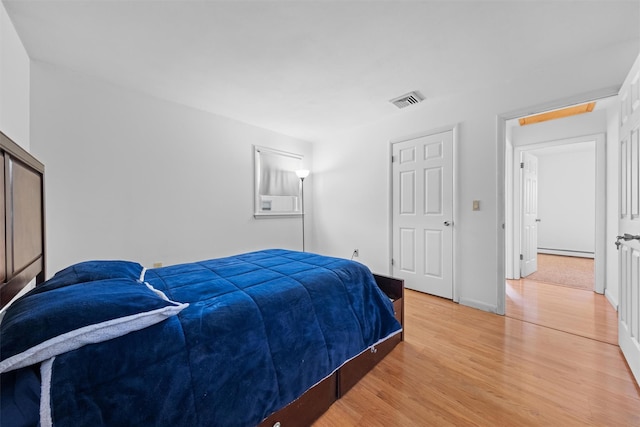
(352, 170)
(566, 199)
(14, 83)
(134, 177)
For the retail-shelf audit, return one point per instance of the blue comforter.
(260, 329)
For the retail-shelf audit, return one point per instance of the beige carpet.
(565, 270)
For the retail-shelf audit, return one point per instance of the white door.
(422, 186)
(529, 239)
(629, 221)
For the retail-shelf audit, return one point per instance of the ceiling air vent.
(407, 99)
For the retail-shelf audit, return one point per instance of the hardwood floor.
(577, 311)
(459, 366)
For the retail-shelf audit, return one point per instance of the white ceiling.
(309, 68)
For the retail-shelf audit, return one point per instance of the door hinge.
(393, 159)
(521, 257)
(392, 262)
(521, 165)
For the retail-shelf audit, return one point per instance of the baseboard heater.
(566, 252)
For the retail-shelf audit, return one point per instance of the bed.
(270, 337)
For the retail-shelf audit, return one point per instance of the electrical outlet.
(157, 264)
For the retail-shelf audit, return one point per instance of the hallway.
(563, 299)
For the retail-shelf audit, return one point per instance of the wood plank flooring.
(460, 366)
(588, 314)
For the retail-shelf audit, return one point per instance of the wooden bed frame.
(23, 237)
(315, 401)
(22, 255)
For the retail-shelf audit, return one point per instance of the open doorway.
(571, 228)
(566, 214)
(568, 141)
(558, 205)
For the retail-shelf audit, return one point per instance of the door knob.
(626, 237)
(448, 223)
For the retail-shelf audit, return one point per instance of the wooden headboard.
(22, 254)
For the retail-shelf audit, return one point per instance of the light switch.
(476, 205)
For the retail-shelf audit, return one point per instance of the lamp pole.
(302, 198)
(302, 174)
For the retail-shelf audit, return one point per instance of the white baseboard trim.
(566, 253)
(613, 301)
(479, 305)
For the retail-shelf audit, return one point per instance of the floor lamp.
(302, 174)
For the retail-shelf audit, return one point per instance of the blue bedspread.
(261, 328)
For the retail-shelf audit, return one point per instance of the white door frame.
(455, 131)
(600, 207)
(505, 163)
